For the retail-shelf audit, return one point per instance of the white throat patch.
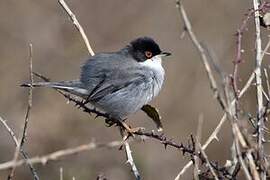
(155, 63)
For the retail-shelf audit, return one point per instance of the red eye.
(148, 54)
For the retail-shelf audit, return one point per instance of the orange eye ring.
(148, 54)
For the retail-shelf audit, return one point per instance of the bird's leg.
(130, 130)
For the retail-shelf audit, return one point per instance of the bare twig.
(252, 166)
(202, 52)
(238, 59)
(258, 77)
(10, 131)
(60, 154)
(197, 148)
(208, 162)
(185, 149)
(77, 25)
(218, 127)
(66, 152)
(130, 160)
(16, 142)
(160, 137)
(210, 77)
(239, 138)
(61, 173)
(26, 120)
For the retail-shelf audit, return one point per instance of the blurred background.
(110, 25)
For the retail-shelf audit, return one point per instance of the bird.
(118, 83)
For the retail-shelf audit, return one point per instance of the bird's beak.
(165, 54)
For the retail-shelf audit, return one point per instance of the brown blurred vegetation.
(59, 51)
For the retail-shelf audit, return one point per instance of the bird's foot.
(135, 130)
(131, 131)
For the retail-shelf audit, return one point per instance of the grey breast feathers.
(107, 73)
(117, 83)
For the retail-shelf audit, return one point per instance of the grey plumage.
(74, 87)
(123, 85)
(114, 82)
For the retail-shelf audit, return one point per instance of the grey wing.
(98, 68)
(105, 73)
(115, 83)
(126, 97)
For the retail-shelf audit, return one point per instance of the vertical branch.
(26, 120)
(77, 25)
(61, 173)
(213, 84)
(197, 147)
(237, 137)
(202, 53)
(238, 59)
(130, 160)
(258, 78)
(29, 96)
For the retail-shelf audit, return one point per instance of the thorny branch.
(255, 156)
(160, 137)
(207, 162)
(233, 103)
(90, 50)
(189, 149)
(239, 50)
(196, 170)
(251, 162)
(213, 84)
(238, 58)
(129, 155)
